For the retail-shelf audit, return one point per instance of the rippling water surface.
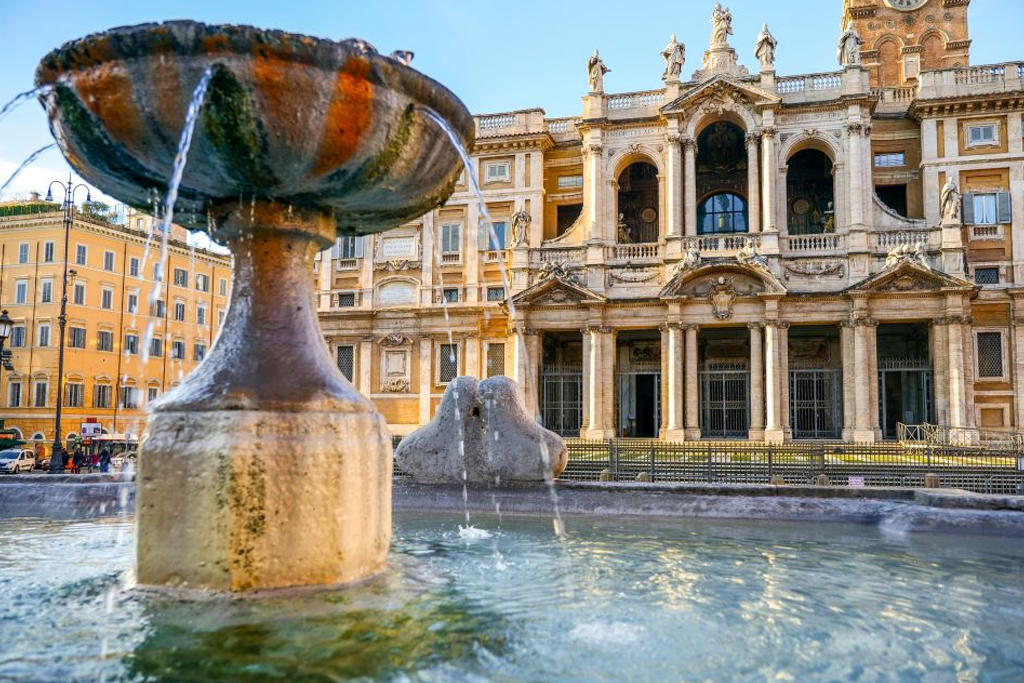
(639, 600)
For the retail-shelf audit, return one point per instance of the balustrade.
(822, 242)
(566, 255)
(722, 243)
(633, 252)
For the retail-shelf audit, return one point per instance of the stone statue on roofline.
(765, 50)
(595, 72)
(848, 50)
(721, 26)
(675, 56)
(950, 202)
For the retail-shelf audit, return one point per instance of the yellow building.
(124, 345)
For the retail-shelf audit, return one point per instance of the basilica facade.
(738, 254)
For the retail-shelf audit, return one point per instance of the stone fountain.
(265, 468)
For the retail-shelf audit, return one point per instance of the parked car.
(15, 460)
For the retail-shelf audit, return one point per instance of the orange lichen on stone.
(349, 117)
(107, 93)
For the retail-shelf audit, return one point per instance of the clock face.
(905, 5)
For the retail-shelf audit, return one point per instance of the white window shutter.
(336, 249)
(1003, 208)
(483, 237)
(968, 208)
(359, 246)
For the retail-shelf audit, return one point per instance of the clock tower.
(904, 37)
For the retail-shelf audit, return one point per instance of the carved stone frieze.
(395, 339)
(824, 268)
(632, 276)
(394, 385)
(397, 265)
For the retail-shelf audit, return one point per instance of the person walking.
(78, 459)
(104, 460)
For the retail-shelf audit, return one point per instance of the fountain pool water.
(617, 600)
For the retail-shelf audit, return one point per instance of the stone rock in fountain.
(265, 468)
(502, 442)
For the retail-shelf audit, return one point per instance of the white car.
(13, 461)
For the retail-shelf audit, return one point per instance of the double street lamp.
(5, 331)
(69, 189)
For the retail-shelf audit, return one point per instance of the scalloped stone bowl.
(265, 468)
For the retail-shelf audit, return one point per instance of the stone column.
(365, 366)
(873, 417)
(676, 428)
(427, 239)
(692, 393)
(593, 188)
(532, 385)
(773, 432)
(784, 416)
(940, 370)
(690, 183)
(846, 342)
(756, 383)
(600, 382)
(586, 419)
(674, 198)
(753, 184)
(426, 378)
(768, 181)
(957, 383)
(863, 430)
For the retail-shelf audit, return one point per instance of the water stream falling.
(23, 97)
(32, 157)
(520, 350)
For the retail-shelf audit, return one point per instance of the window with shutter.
(968, 206)
(984, 209)
(1003, 208)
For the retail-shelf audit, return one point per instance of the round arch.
(825, 144)
(38, 436)
(735, 114)
(635, 154)
(638, 203)
(810, 192)
(17, 430)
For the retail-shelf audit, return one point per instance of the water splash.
(472, 533)
(25, 164)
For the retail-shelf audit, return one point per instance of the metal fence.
(980, 470)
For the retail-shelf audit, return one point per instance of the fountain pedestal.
(265, 468)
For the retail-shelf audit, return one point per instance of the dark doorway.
(904, 377)
(567, 215)
(638, 383)
(810, 195)
(646, 406)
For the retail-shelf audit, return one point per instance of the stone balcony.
(971, 80)
(634, 105)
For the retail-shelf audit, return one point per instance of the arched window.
(38, 436)
(638, 204)
(722, 213)
(810, 194)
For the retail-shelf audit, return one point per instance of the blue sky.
(496, 56)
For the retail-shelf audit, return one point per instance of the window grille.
(567, 181)
(495, 360)
(347, 361)
(990, 354)
(986, 276)
(448, 367)
(347, 299)
(451, 296)
(495, 293)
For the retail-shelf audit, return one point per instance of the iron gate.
(904, 393)
(561, 399)
(725, 399)
(816, 403)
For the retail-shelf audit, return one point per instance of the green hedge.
(27, 209)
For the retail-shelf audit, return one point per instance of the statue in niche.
(675, 56)
(721, 26)
(950, 202)
(520, 226)
(595, 72)
(848, 51)
(765, 50)
(722, 149)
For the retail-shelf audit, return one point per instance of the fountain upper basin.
(327, 128)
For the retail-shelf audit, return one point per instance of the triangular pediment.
(911, 276)
(700, 282)
(722, 88)
(557, 291)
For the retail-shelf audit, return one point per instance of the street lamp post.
(69, 189)
(5, 331)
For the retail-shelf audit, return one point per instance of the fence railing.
(918, 435)
(981, 470)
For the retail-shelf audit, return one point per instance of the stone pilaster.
(1017, 330)
(674, 199)
(692, 387)
(866, 381)
(690, 184)
(675, 429)
(756, 382)
(957, 379)
(768, 179)
(753, 184)
(773, 432)
(426, 379)
(471, 352)
(471, 258)
(940, 370)
(787, 422)
(365, 366)
(600, 382)
(594, 191)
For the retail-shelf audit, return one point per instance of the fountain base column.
(242, 500)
